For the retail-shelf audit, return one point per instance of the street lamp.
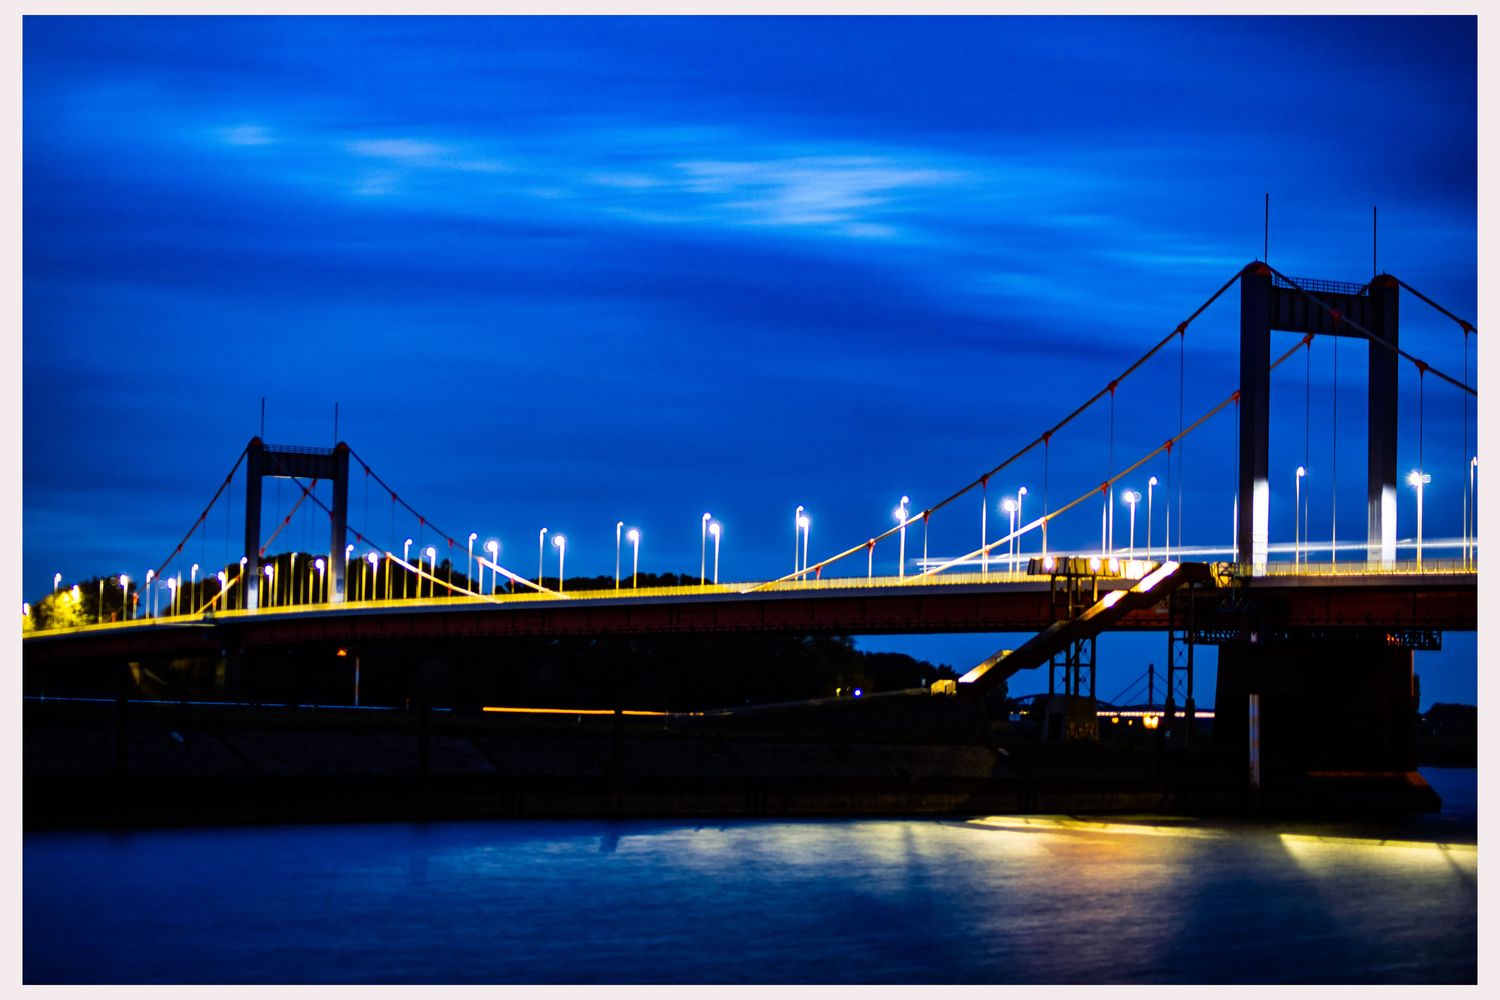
(150, 595)
(541, 552)
(1010, 507)
(1419, 480)
(292, 580)
(1150, 487)
(618, 526)
(1473, 511)
(244, 587)
(1132, 497)
(406, 574)
(703, 550)
(172, 589)
(124, 595)
(561, 541)
(271, 579)
(805, 523)
(1297, 520)
(56, 582)
(322, 586)
(432, 587)
(900, 515)
(1020, 496)
(99, 612)
(635, 565)
(374, 558)
(469, 573)
(194, 581)
(796, 527)
(493, 548)
(223, 586)
(716, 530)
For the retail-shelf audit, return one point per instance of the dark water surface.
(982, 900)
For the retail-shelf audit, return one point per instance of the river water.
(975, 900)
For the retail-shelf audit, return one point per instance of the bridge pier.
(1330, 710)
(263, 461)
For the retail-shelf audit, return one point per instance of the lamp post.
(432, 587)
(271, 579)
(322, 585)
(805, 523)
(796, 527)
(635, 564)
(292, 580)
(150, 595)
(1473, 513)
(561, 541)
(1419, 480)
(172, 592)
(716, 530)
(99, 612)
(618, 526)
(406, 574)
(1020, 498)
(493, 548)
(243, 584)
(223, 587)
(703, 551)
(469, 573)
(984, 529)
(1150, 487)
(194, 583)
(56, 581)
(901, 555)
(1132, 497)
(1297, 521)
(347, 550)
(1010, 507)
(541, 552)
(374, 558)
(124, 595)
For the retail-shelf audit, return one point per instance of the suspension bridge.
(1376, 594)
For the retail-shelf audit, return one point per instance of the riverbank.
(88, 764)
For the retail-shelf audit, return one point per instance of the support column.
(254, 470)
(1253, 520)
(339, 524)
(1383, 384)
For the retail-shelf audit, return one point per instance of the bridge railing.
(1359, 567)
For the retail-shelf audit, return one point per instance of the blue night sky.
(569, 271)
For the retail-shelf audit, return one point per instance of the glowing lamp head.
(1132, 497)
(124, 580)
(799, 509)
(619, 525)
(223, 578)
(431, 552)
(1021, 492)
(151, 573)
(172, 583)
(1049, 564)
(348, 549)
(319, 564)
(407, 543)
(633, 535)
(1419, 478)
(1008, 505)
(858, 692)
(803, 522)
(56, 579)
(707, 517)
(75, 592)
(195, 568)
(1152, 481)
(1095, 564)
(1301, 471)
(269, 570)
(25, 608)
(1114, 565)
(473, 535)
(493, 548)
(243, 560)
(714, 529)
(374, 558)
(560, 540)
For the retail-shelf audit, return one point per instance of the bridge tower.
(282, 462)
(1267, 303)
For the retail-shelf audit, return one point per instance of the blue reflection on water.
(988, 900)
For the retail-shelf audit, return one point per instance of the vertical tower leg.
(339, 523)
(1252, 521)
(254, 469)
(1382, 425)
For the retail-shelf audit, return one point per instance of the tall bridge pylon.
(284, 462)
(1267, 304)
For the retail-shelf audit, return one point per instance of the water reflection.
(990, 900)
